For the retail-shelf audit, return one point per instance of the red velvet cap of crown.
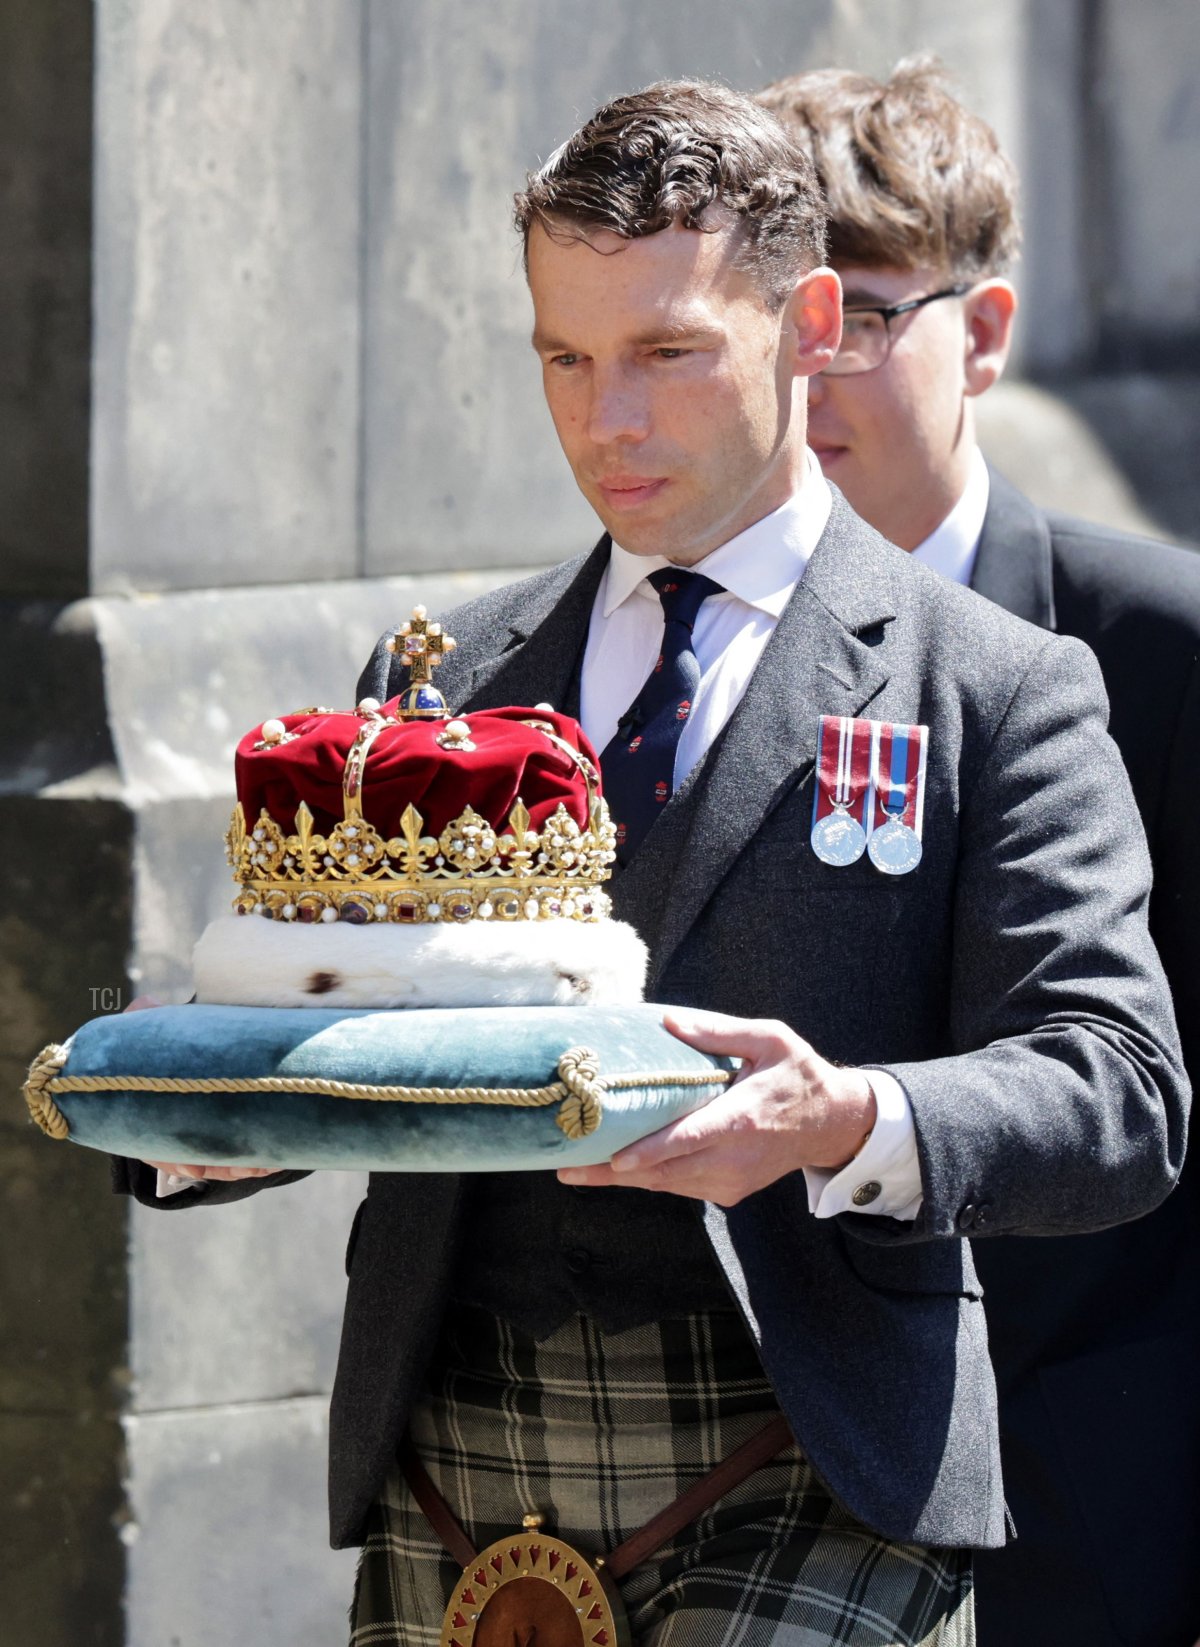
(512, 761)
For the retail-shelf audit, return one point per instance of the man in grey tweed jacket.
(1005, 993)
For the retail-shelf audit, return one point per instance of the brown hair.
(665, 156)
(912, 178)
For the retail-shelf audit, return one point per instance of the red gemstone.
(572, 1569)
(468, 1597)
(406, 912)
(481, 1577)
(600, 1638)
(459, 1622)
(596, 1611)
(514, 1556)
(535, 1551)
(554, 1559)
(498, 1562)
(585, 1589)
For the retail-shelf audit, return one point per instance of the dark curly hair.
(688, 153)
(913, 179)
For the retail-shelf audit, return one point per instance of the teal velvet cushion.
(639, 1078)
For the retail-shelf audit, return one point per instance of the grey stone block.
(226, 294)
(227, 1537)
(45, 295)
(240, 1303)
(1150, 96)
(61, 1509)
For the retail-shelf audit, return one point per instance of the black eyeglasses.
(866, 337)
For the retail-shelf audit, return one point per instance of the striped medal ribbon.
(839, 834)
(897, 804)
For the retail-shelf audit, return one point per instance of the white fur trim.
(247, 960)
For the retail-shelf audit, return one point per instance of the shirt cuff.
(174, 1183)
(884, 1178)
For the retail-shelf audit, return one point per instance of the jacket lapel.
(536, 662)
(1013, 564)
(814, 664)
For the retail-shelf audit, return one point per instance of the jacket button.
(983, 1214)
(967, 1216)
(866, 1193)
(579, 1262)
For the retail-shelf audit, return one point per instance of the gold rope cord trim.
(43, 1074)
(579, 1090)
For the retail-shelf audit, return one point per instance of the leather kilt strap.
(586, 1583)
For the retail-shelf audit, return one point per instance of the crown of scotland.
(404, 813)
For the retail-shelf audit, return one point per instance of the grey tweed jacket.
(1008, 984)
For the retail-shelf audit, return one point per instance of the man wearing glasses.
(1095, 1340)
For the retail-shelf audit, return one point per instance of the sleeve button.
(866, 1193)
(967, 1216)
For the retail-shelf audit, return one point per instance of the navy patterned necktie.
(638, 766)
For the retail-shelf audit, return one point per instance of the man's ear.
(988, 310)
(815, 317)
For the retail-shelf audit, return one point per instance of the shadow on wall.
(1116, 450)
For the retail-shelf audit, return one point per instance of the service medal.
(897, 801)
(838, 839)
(894, 848)
(839, 835)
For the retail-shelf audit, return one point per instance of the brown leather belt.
(488, 1602)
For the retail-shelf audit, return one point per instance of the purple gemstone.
(355, 913)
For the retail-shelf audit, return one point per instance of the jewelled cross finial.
(421, 646)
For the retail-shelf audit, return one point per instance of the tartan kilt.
(599, 1431)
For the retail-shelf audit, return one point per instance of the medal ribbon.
(843, 767)
(898, 774)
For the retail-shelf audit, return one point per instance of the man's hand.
(184, 1169)
(211, 1175)
(787, 1108)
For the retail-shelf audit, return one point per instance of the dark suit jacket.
(1096, 1341)
(1009, 984)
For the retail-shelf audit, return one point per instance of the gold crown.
(468, 872)
(472, 870)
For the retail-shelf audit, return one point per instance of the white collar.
(761, 565)
(950, 549)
